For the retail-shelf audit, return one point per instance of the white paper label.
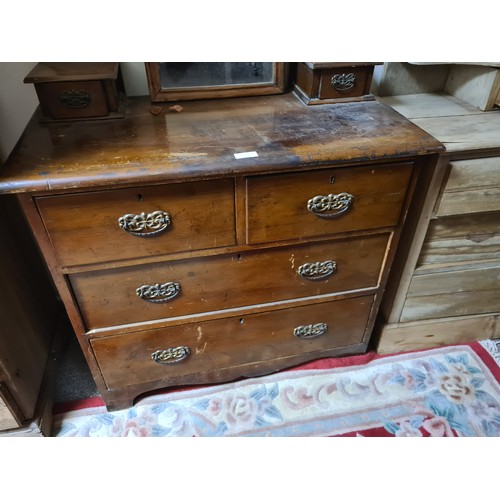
(248, 154)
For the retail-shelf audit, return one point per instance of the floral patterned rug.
(445, 392)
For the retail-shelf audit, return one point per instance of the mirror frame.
(159, 94)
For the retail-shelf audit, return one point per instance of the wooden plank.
(7, 419)
(453, 240)
(476, 85)
(470, 132)
(451, 304)
(473, 174)
(435, 333)
(469, 280)
(429, 105)
(404, 78)
(409, 248)
(469, 202)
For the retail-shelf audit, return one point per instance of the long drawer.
(330, 201)
(171, 353)
(162, 290)
(127, 223)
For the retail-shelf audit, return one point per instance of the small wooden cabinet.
(236, 238)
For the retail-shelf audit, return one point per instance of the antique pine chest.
(235, 238)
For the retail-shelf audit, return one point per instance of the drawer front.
(152, 292)
(473, 186)
(292, 206)
(207, 346)
(136, 222)
(345, 82)
(84, 99)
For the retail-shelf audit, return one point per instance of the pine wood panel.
(472, 186)
(468, 133)
(277, 204)
(437, 332)
(453, 240)
(476, 85)
(451, 304)
(109, 297)
(7, 419)
(126, 359)
(429, 105)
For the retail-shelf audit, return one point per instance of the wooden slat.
(469, 202)
(453, 293)
(468, 238)
(473, 174)
(476, 85)
(429, 105)
(473, 186)
(451, 304)
(470, 132)
(7, 420)
(434, 333)
(470, 280)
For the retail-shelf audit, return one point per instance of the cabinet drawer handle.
(343, 81)
(145, 224)
(310, 331)
(159, 293)
(317, 270)
(171, 355)
(331, 205)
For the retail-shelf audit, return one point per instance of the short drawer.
(136, 222)
(473, 186)
(174, 352)
(324, 202)
(151, 292)
(343, 82)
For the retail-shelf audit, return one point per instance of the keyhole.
(140, 197)
(332, 179)
(241, 321)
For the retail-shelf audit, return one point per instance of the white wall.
(18, 100)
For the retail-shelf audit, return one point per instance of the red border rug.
(447, 392)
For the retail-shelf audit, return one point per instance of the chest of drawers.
(182, 261)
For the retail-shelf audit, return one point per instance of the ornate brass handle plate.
(317, 270)
(331, 205)
(144, 224)
(310, 331)
(75, 98)
(159, 293)
(343, 82)
(171, 355)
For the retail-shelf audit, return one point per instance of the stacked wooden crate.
(448, 287)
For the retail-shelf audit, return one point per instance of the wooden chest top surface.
(200, 142)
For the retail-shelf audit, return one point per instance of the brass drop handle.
(310, 331)
(343, 81)
(331, 205)
(317, 270)
(171, 355)
(144, 224)
(159, 292)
